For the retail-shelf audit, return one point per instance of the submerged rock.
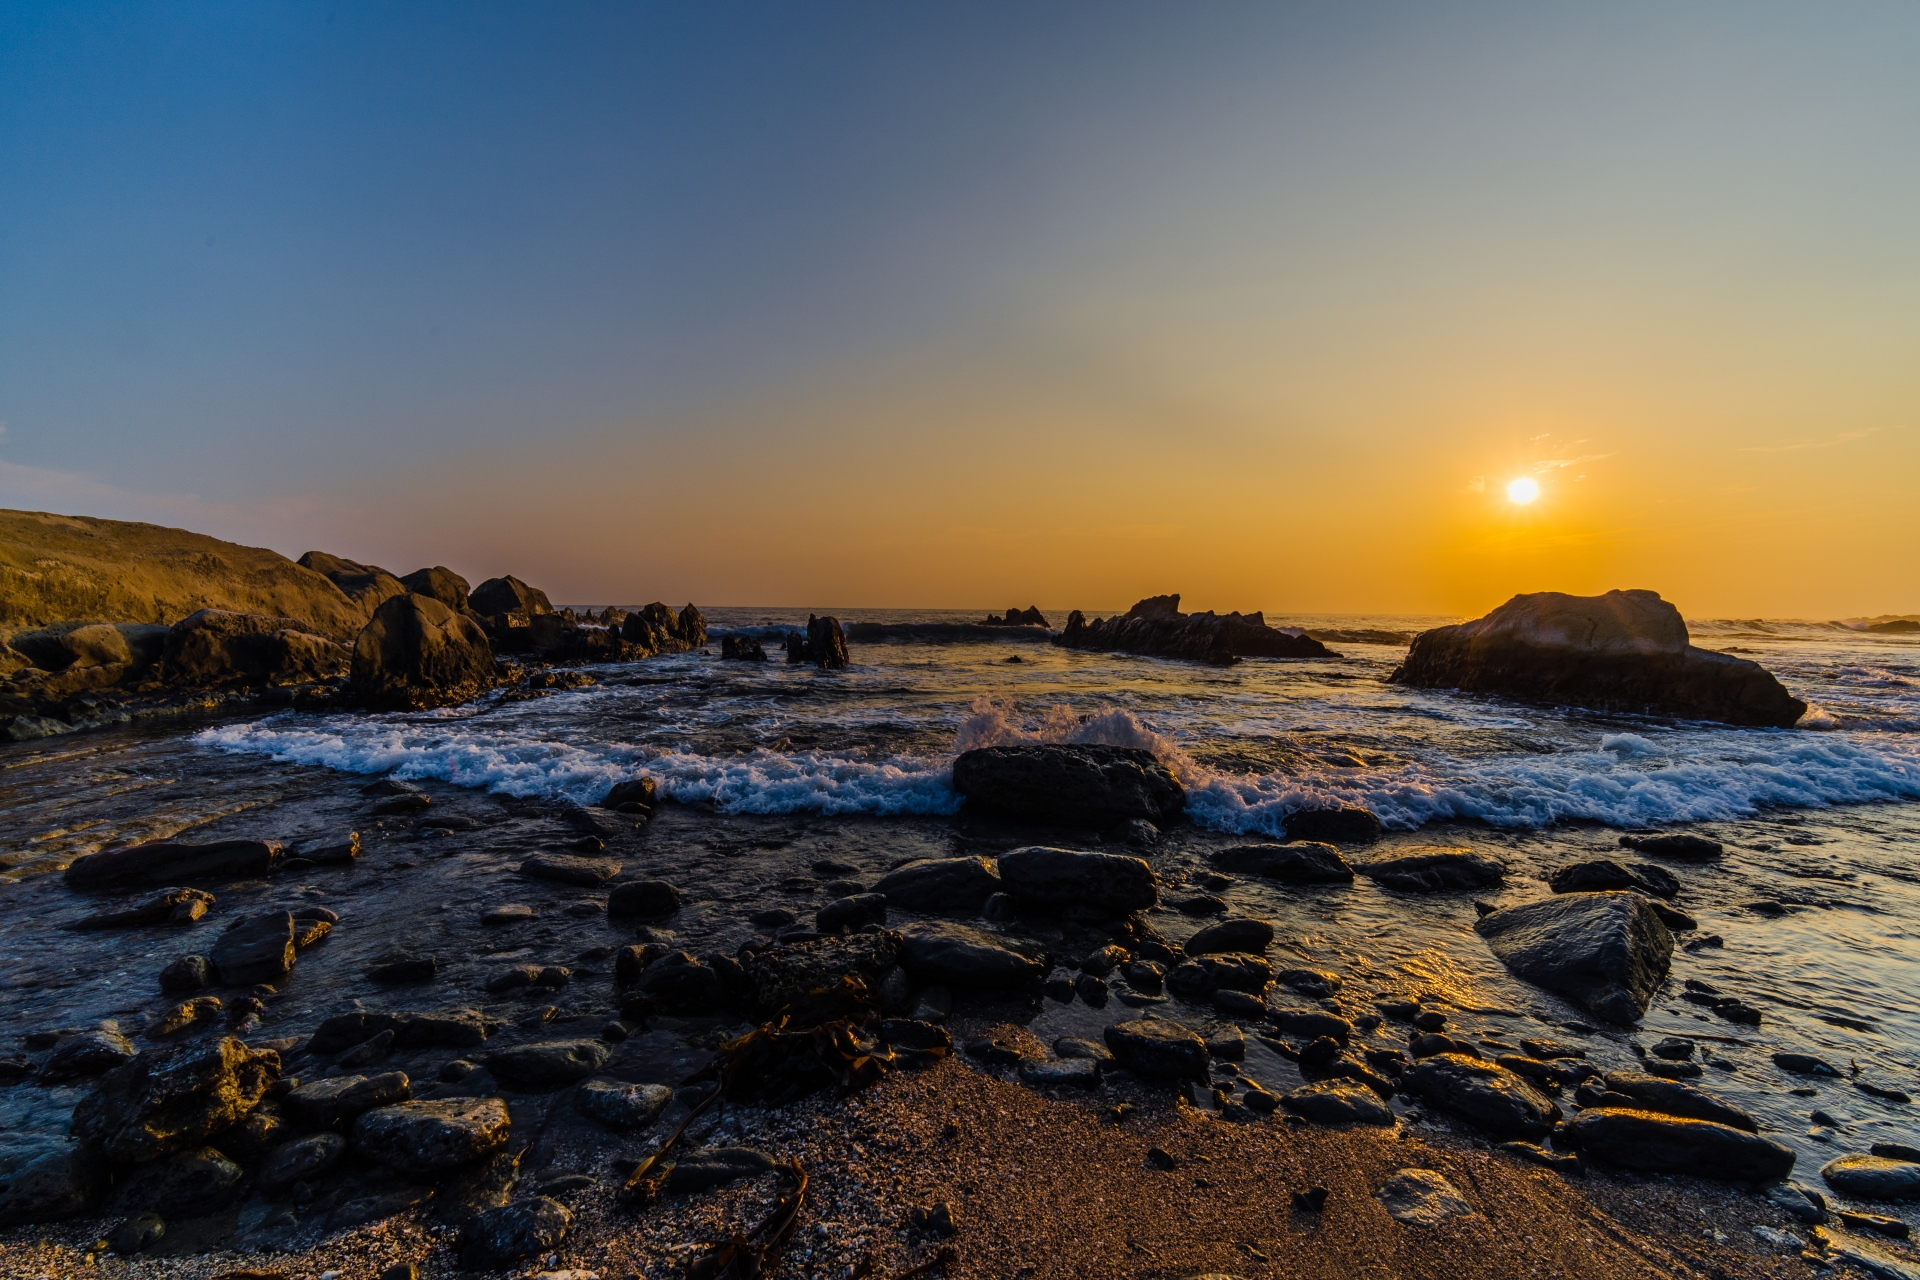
(1241, 935)
(169, 906)
(1334, 826)
(1114, 882)
(1623, 651)
(1650, 1142)
(1603, 873)
(560, 868)
(1681, 848)
(1305, 862)
(1606, 951)
(1483, 1094)
(941, 886)
(1069, 784)
(1434, 870)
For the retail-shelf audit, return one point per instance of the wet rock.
(1650, 1142)
(1072, 1073)
(742, 649)
(1337, 1102)
(501, 1237)
(416, 652)
(323, 1103)
(1316, 983)
(1672, 917)
(559, 868)
(1422, 1198)
(1243, 935)
(783, 975)
(168, 1100)
(1670, 1097)
(402, 970)
(652, 899)
(1681, 848)
(186, 973)
(941, 886)
(1603, 873)
(1200, 904)
(1434, 870)
(1533, 1153)
(182, 1017)
(191, 1182)
(518, 976)
(89, 1053)
(955, 955)
(169, 906)
(1155, 1047)
(139, 1234)
(1070, 1047)
(824, 644)
(622, 1106)
(256, 1135)
(302, 1160)
(173, 862)
(508, 913)
(1310, 1024)
(400, 806)
(1606, 951)
(434, 1136)
(1068, 784)
(1873, 1177)
(1879, 1224)
(256, 948)
(45, 1177)
(852, 912)
(1300, 863)
(1483, 1094)
(1798, 1204)
(932, 1004)
(1113, 882)
(703, 1170)
(642, 791)
(1155, 626)
(1428, 1044)
(1671, 1047)
(552, 1062)
(1623, 651)
(678, 983)
(1804, 1064)
(1144, 976)
(1203, 975)
(1334, 826)
(1093, 992)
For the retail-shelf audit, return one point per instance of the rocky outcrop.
(165, 1101)
(1623, 651)
(1028, 617)
(438, 583)
(742, 649)
(416, 652)
(1605, 951)
(824, 644)
(367, 585)
(1155, 627)
(1068, 784)
(658, 629)
(214, 647)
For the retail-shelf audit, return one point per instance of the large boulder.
(1155, 627)
(1623, 651)
(1304, 862)
(165, 1101)
(941, 886)
(1649, 1142)
(439, 583)
(433, 1136)
(215, 646)
(416, 652)
(1483, 1094)
(167, 862)
(508, 595)
(1605, 951)
(1434, 870)
(955, 955)
(1047, 877)
(1071, 784)
(45, 1177)
(367, 585)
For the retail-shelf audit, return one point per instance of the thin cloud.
(1477, 485)
(1561, 464)
(1847, 437)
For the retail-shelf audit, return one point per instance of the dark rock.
(1873, 1177)
(1624, 651)
(1093, 992)
(586, 873)
(186, 973)
(1334, 826)
(168, 1100)
(515, 977)
(1670, 1097)
(742, 649)
(1434, 870)
(1137, 832)
(622, 1106)
(169, 906)
(679, 983)
(653, 899)
(508, 913)
(1201, 904)
(1155, 627)
(302, 1160)
(910, 1036)
(955, 955)
(439, 583)
(1804, 1064)
(1606, 951)
(1144, 976)
(1672, 1047)
(44, 1178)
(941, 886)
(187, 1014)
(1203, 975)
(1879, 1224)
(1074, 1073)
(501, 1237)
(784, 975)
(1317, 983)
(168, 862)
(1483, 1094)
(219, 646)
(88, 1053)
(1242, 935)
(1672, 917)
(641, 791)
(1337, 1102)
(1069, 1047)
(255, 949)
(1798, 1204)
(1649, 1142)
(1310, 1023)
(1312, 1200)
(717, 1166)
(1114, 882)
(1068, 784)
(1896, 1151)
(508, 595)
(323, 1103)
(1154, 1047)
(938, 1219)
(1428, 1044)
(1681, 848)
(852, 912)
(824, 644)
(416, 652)
(139, 1233)
(1421, 1198)
(194, 1181)
(432, 1137)
(1603, 873)
(549, 1063)
(1303, 863)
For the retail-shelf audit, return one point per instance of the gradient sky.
(974, 306)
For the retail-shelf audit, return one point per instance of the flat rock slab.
(1422, 1198)
(172, 862)
(1484, 1094)
(1434, 870)
(256, 948)
(1670, 1097)
(1648, 1142)
(958, 956)
(169, 906)
(1115, 882)
(1156, 1047)
(553, 1062)
(428, 1137)
(1338, 1102)
(1873, 1177)
(1304, 862)
(941, 886)
(561, 868)
(1606, 951)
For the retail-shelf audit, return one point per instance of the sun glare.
(1523, 490)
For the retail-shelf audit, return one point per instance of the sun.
(1523, 490)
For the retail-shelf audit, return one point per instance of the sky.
(904, 305)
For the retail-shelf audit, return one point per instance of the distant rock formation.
(824, 644)
(743, 649)
(1028, 617)
(508, 595)
(367, 585)
(1623, 651)
(1155, 627)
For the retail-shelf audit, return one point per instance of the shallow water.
(1822, 819)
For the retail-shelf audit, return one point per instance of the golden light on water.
(1522, 490)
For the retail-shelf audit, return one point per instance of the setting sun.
(1523, 490)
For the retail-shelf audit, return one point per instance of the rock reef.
(1155, 627)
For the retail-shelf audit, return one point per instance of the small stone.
(1091, 990)
(508, 913)
(1422, 1198)
(622, 1106)
(1312, 1200)
(648, 899)
(403, 970)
